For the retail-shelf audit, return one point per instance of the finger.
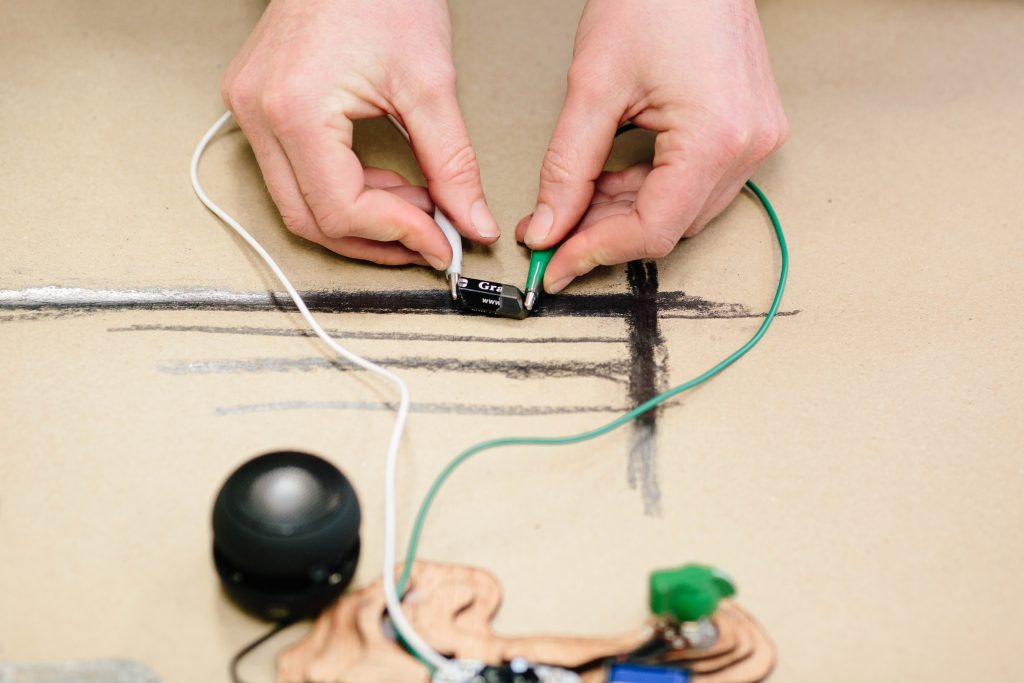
(385, 179)
(760, 144)
(719, 200)
(521, 227)
(610, 186)
(629, 179)
(417, 196)
(615, 239)
(278, 175)
(445, 154)
(297, 217)
(284, 190)
(383, 253)
(684, 174)
(598, 212)
(668, 202)
(577, 152)
(422, 235)
(333, 182)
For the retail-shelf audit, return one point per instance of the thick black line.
(647, 369)
(644, 335)
(418, 302)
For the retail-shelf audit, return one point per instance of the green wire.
(421, 516)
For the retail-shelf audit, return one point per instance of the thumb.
(445, 154)
(576, 155)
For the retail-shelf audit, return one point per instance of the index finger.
(668, 201)
(331, 177)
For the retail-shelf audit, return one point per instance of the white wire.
(454, 239)
(394, 605)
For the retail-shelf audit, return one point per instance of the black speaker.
(286, 535)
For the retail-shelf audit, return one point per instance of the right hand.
(695, 71)
(312, 67)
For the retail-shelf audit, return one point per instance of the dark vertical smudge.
(648, 361)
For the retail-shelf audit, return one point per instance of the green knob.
(690, 592)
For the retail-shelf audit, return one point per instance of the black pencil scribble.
(613, 370)
(438, 408)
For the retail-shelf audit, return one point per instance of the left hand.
(313, 67)
(695, 71)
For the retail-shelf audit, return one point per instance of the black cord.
(651, 648)
(240, 655)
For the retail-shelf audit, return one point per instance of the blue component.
(635, 673)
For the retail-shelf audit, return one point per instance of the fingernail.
(483, 221)
(435, 262)
(540, 224)
(560, 285)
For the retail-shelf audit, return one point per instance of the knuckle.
(442, 76)
(462, 167)
(281, 104)
(334, 222)
(588, 261)
(734, 137)
(238, 94)
(658, 244)
(592, 254)
(557, 166)
(697, 226)
(299, 225)
(782, 131)
(764, 142)
(226, 91)
(435, 81)
(583, 83)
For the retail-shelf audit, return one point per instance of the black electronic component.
(507, 673)
(516, 671)
(491, 298)
(286, 535)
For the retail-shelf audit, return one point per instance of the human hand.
(694, 71)
(311, 68)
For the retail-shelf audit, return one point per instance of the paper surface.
(859, 473)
